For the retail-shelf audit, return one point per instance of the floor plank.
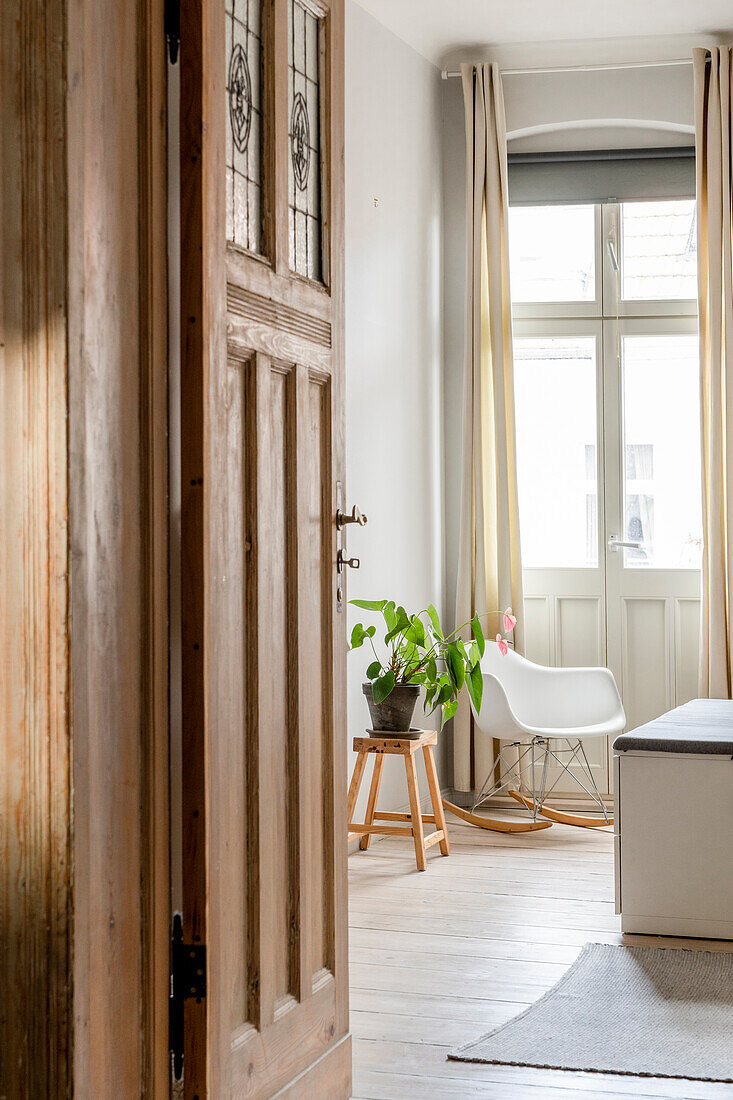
(438, 958)
(411, 1059)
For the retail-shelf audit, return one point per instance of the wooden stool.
(406, 747)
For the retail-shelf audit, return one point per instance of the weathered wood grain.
(264, 693)
(117, 502)
(35, 751)
(83, 494)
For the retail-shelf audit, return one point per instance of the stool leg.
(414, 793)
(436, 799)
(355, 785)
(373, 796)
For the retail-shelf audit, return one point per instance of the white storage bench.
(674, 823)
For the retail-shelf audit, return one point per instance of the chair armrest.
(575, 697)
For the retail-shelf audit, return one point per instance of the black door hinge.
(172, 22)
(188, 980)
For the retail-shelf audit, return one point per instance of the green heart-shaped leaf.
(477, 682)
(478, 634)
(455, 666)
(435, 621)
(383, 686)
(449, 709)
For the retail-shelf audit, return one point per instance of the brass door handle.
(356, 517)
(341, 561)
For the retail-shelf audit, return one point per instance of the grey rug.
(644, 1011)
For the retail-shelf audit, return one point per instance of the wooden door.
(263, 635)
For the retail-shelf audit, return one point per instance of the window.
(244, 124)
(603, 297)
(662, 443)
(658, 250)
(304, 154)
(555, 405)
(552, 253)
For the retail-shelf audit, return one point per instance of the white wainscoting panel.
(687, 649)
(537, 629)
(646, 625)
(578, 640)
(567, 628)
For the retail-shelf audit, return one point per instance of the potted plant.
(417, 654)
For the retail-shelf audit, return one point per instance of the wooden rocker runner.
(495, 824)
(560, 816)
(542, 716)
(406, 747)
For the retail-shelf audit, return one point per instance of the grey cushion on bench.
(700, 726)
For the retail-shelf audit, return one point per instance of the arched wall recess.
(592, 125)
(556, 161)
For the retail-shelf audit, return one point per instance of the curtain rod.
(449, 73)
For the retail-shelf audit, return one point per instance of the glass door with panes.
(608, 445)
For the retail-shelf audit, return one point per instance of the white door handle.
(615, 542)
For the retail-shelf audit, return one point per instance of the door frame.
(608, 317)
(118, 503)
(83, 613)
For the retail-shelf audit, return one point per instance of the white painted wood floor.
(440, 957)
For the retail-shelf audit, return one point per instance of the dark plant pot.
(394, 715)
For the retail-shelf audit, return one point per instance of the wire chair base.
(517, 757)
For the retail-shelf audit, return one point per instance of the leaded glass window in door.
(244, 182)
(304, 160)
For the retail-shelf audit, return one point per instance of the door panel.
(264, 740)
(686, 648)
(567, 627)
(653, 499)
(559, 410)
(537, 628)
(645, 630)
(579, 623)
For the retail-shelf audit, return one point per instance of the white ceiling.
(438, 28)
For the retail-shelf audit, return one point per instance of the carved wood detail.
(254, 307)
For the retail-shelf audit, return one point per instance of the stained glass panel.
(304, 101)
(244, 123)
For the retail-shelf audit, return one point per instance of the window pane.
(552, 253)
(658, 250)
(662, 507)
(555, 396)
(244, 123)
(304, 139)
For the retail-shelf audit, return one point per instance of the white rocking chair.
(530, 708)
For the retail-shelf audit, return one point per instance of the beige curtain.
(489, 567)
(713, 128)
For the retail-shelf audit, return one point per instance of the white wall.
(562, 100)
(393, 336)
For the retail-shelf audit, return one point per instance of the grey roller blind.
(625, 175)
